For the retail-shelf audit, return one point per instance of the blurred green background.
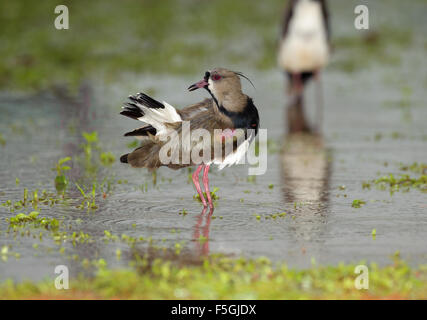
(107, 38)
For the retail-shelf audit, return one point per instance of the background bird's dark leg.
(297, 85)
(319, 99)
(197, 184)
(206, 184)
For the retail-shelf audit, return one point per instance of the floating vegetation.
(401, 182)
(415, 167)
(366, 185)
(88, 148)
(358, 203)
(21, 220)
(183, 212)
(33, 199)
(272, 216)
(404, 183)
(5, 253)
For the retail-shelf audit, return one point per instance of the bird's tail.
(146, 156)
(146, 109)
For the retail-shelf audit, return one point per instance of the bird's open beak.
(201, 84)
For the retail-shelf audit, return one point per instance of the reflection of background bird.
(303, 52)
(306, 172)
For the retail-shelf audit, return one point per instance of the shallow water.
(320, 223)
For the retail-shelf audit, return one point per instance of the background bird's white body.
(305, 46)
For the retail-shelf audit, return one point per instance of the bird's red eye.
(216, 77)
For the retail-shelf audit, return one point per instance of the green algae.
(357, 203)
(214, 196)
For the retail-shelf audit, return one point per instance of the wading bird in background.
(228, 108)
(303, 52)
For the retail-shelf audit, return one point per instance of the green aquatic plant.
(366, 185)
(401, 182)
(202, 239)
(89, 147)
(213, 195)
(272, 216)
(4, 252)
(33, 199)
(358, 203)
(415, 167)
(183, 212)
(61, 180)
(107, 159)
(88, 198)
(404, 182)
(32, 219)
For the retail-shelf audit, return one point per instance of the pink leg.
(197, 184)
(206, 184)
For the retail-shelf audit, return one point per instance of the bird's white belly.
(235, 157)
(232, 158)
(299, 54)
(305, 46)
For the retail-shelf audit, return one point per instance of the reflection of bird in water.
(202, 244)
(228, 110)
(306, 172)
(303, 52)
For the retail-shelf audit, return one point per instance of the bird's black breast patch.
(247, 119)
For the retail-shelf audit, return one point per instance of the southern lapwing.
(304, 47)
(228, 109)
